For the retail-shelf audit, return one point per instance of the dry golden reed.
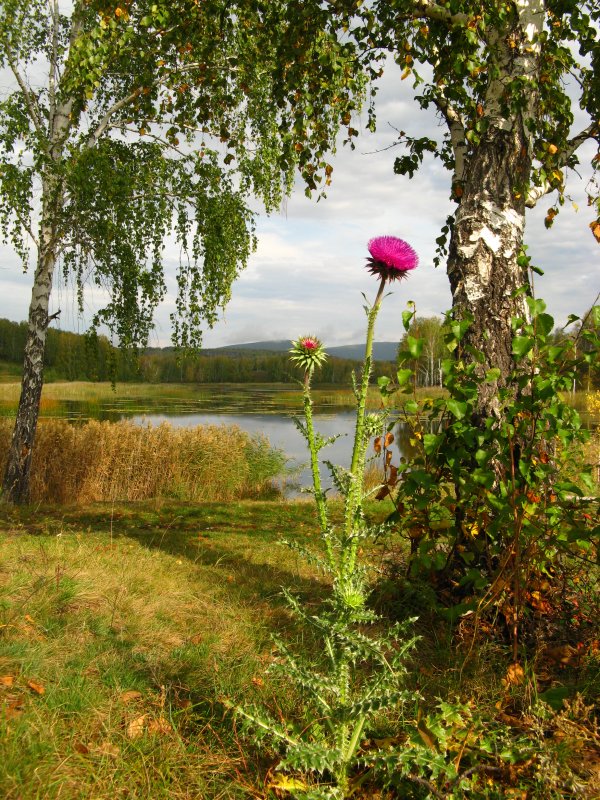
(109, 461)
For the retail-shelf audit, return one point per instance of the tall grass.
(109, 461)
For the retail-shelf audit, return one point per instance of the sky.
(308, 272)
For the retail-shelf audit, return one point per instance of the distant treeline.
(76, 357)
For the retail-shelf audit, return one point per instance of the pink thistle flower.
(391, 258)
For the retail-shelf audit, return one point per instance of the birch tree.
(126, 122)
(504, 78)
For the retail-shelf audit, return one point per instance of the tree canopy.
(132, 121)
(128, 122)
(505, 79)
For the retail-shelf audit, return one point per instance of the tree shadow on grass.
(241, 542)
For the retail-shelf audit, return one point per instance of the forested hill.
(71, 357)
(382, 351)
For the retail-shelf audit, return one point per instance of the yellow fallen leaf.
(36, 687)
(108, 749)
(287, 784)
(135, 729)
(428, 737)
(13, 708)
(514, 676)
(130, 696)
(7, 680)
(159, 726)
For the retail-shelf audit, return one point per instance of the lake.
(262, 409)
(265, 409)
(283, 434)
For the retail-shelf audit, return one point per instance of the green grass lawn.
(123, 628)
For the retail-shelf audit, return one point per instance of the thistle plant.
(356, 673)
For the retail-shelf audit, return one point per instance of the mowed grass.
(121, 631)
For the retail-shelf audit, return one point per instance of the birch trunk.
(15, 486)
(484, 248)
(16, 477)
(489, 225)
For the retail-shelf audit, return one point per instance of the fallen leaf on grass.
(284, 783)
(130, 696)
(108, 749)
(7, 680)
(387, 742)
(514, 676)
(135, 729)
(13, 708)
(428, 737)
(36, 687)
(160, 726)
(80, 747)
(562, 655)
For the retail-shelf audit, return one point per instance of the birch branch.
(105, 122)
(26, 227)
(429, 9)
(457, 136)
(53, 68)
(537, 192)
(30, 100)
(433, 11)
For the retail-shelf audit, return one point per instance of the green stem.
(355, 738)
(314, 464)
(354, 497)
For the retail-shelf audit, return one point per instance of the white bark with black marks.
(489, 224)
(16, 477)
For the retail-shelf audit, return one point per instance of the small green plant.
(488, 504)
(359, 670)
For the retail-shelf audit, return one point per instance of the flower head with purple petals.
(391, 258)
